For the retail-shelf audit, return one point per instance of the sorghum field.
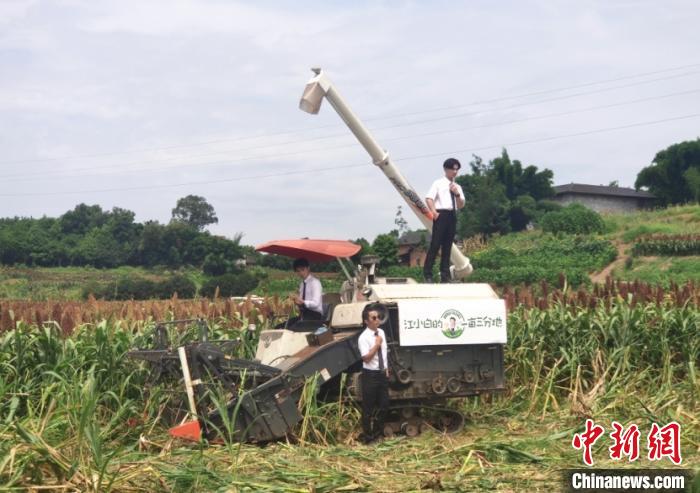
(75, 415)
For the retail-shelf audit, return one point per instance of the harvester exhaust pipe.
(318, 87)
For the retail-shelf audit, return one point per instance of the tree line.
(90, 236)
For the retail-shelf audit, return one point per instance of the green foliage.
(670, 220)
(643, 346)
(75, 411)
(502, 196)
(692, 179)
(631, 235)
(403, 271)
(194, 211)
(82, 219)
(182, 285)
(89, 236)
(661, 271)
(365, 249)
(274, 261)
(523, 210)
(486, 209)
(387, 248)
(229, 285)
(283, 282)
(575, 256)
(544, 206)
(216, 264)
(141, 288)
(573, 219)
(667, 245)
(674, 175)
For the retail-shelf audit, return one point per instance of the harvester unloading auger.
(319, 87)
(445, 340)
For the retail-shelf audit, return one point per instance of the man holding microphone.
(444, 199)
(375, 373)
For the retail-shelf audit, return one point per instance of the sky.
(135, 104)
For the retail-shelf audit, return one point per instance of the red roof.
(312, 250)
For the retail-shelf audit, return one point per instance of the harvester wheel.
(388, 431)
(410, 429)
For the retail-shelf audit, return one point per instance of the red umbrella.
(312, 250)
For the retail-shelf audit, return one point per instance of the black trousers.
(443, 235)
(375, 401)
(306, 314)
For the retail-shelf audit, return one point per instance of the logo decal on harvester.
(452, 323)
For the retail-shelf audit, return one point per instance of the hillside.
(531, 256)
(518, 258)
(626, 229)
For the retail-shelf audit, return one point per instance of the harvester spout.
(318, 87)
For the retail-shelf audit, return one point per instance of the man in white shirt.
(375, 373)
(310, 295)
(444, 199)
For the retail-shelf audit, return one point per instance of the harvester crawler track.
(413, 419)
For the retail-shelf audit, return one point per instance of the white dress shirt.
(314, 294)
(440, 193)
(366, 342)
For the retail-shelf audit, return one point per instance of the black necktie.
(381, 357)
(303, 290)
(454, 207)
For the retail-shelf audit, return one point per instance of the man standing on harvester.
(444, 199)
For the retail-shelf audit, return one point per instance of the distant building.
(604, 199)
(413, 246)
(247, 261)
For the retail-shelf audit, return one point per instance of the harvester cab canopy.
(315, 251)
(311, 250)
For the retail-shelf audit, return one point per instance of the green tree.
(518, 181)
(99, 249)
(365, 249)
(502, 196)
(522, 211)
(692, 178)
(573, 219)
(82, 219)
(670, 177)
(152, 250)
(194, 211)
(386, 246)
(486, 206)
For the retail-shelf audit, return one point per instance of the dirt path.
(620, 260)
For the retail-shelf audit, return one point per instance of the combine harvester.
(445, 340)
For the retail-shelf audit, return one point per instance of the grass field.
(66, 283)
(672, 220)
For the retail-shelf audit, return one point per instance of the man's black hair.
(451, 163)
(372, 307)
(299, 263)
